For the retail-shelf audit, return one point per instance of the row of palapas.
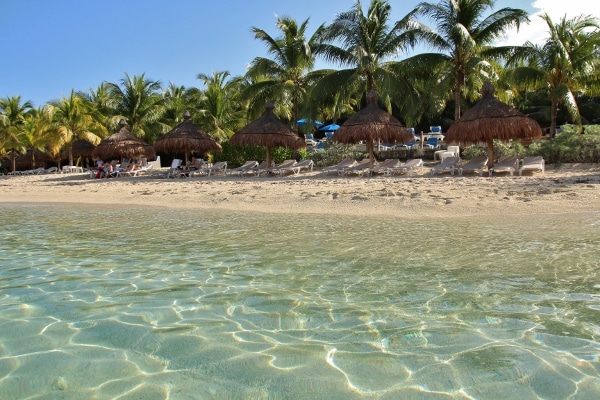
(488, 120)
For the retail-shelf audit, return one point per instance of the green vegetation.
(431, 88)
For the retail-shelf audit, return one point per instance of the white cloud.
(537, 30)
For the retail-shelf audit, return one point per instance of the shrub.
(569, 146)
(238, 155)
(334, 153)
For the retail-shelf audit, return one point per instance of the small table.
(73, 168)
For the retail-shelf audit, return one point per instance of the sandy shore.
(561, 189)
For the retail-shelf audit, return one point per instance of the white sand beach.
(561, 189)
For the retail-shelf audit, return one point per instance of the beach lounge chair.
(360, 168)
(432, 143)
(247, 167)
(448, 164)
(298, 167)
(475, 164)
(144, 169)
(216, 168)
(532, 164)
(309, 139)
(262, 168)
(384, 167)
(174, 168)
(347, 162)
(278, 167)
(409, 166)
(505, 163)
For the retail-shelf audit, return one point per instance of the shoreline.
(569, 188)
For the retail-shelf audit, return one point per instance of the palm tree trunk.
(32, 158)
(13, 159)
(71, 153)
(553, 116)
(457, 102)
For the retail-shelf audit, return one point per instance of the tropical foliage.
(566, 64)
(372, 51)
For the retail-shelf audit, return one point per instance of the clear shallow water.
(155, 304)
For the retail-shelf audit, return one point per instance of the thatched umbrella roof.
(372, 124)
(491, 119)
(27, 160)
(186, 137)
(80, 148)
(122, 144)
(268, 131)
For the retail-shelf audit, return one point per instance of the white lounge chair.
(216, 168)
(135, 172)
(448, 164)
(532, 164)
(345, 163)
(244, 168)
(475, 164)
(277, 168)
(298, 167)
(505, 163)
(360, 168)
(385, 165)
(409, 166)
(174, 167)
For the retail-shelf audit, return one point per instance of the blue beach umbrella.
(306, 121)
(329, 128)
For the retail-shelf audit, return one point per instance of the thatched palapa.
(489, 120)
(80, 148)
(268, 131)
(185, 138)
(122, 144)
(370, 124)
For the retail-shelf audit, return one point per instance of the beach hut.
(371, 124)
(185, 138)
(81, 148)
(489, 120)
(122, 144)
(268, 131)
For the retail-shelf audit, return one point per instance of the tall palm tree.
(284, 78)
(140, 102)
(38, 132)
(74, 120)
(12, 119)
(101, 105)
(176, 101)
(221, 114)
(464, 37)
(567, 63)
(365, 46)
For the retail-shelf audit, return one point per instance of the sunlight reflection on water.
(159, 303)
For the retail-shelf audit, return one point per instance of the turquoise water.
(152, 303)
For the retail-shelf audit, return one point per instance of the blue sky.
(52, 47)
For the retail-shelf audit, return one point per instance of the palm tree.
(464, 38)
(38, 132)
(101, 105)
(140, 102)
(176, 101)
(75, 120)
(221, 114)
(12, 119)
(567, 63)
(283, 79)
(366, 46)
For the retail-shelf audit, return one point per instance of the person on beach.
(104, 170)
(134, 166)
